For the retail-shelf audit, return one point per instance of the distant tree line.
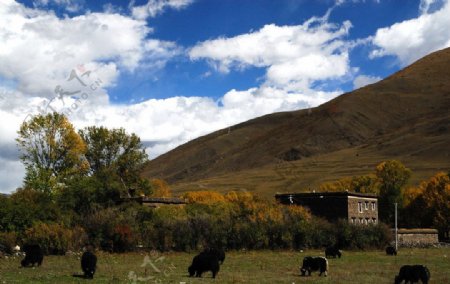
(236, 220)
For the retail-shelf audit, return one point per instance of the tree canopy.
(116, 157)
(51, 151)
(392, 176)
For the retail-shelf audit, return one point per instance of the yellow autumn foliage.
(239, 196)
(160, 188)
(203, 197)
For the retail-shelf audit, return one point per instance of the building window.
(360, 210)
(353, 220)
(374, 220)
(366, 205)
(373, 206)
(361, 220)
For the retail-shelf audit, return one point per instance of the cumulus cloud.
(292, 55)
(38, 48)
(364, 80)
(155, 7)
(415, 38)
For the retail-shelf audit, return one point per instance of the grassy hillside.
(404, 117)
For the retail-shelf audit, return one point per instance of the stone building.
(357, 208)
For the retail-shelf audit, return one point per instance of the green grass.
(239, 267)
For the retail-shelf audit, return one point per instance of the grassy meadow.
(239, 267)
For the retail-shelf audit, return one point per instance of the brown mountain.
(405, 117)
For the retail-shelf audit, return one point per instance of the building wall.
(362, 210)
(331, 208)
(417, 237)
(356, 208)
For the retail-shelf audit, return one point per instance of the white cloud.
(292, 55)
(12, 173)
(69, 5)
(155, 7)
(38, 49)
(364, 80)
(427, 6)
(415, 38)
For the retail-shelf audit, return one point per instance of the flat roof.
(326, 193)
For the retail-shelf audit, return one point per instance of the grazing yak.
(33, 255)
(391, 250)
(217, 252)
(204, 262)
(88, 264)
(332, 252)
(310, 263)
(412, 274)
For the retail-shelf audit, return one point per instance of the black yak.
(332, 252)
(391, 250)
(310, 263)
(220, 254)
(413, 273)
(33, 255)
(204, 262)
(88, 264)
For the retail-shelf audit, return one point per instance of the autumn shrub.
(79, 239)
(113, 229)
(53, 238)
(8, 241)
(123, 238)
(205, 197)
(160, 188)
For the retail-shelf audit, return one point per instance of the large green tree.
(393, 176)
(116, 157)
(51, 150)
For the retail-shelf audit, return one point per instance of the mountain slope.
(405, 116)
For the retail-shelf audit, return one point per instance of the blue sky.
(208, 19)
(173, 70)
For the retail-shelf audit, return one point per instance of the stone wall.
(417, 237)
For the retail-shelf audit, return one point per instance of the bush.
(53, 238)
(361, 237)
(115, 229)
(8, 241)
(123, 238)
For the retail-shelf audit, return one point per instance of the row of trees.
(236, 220)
